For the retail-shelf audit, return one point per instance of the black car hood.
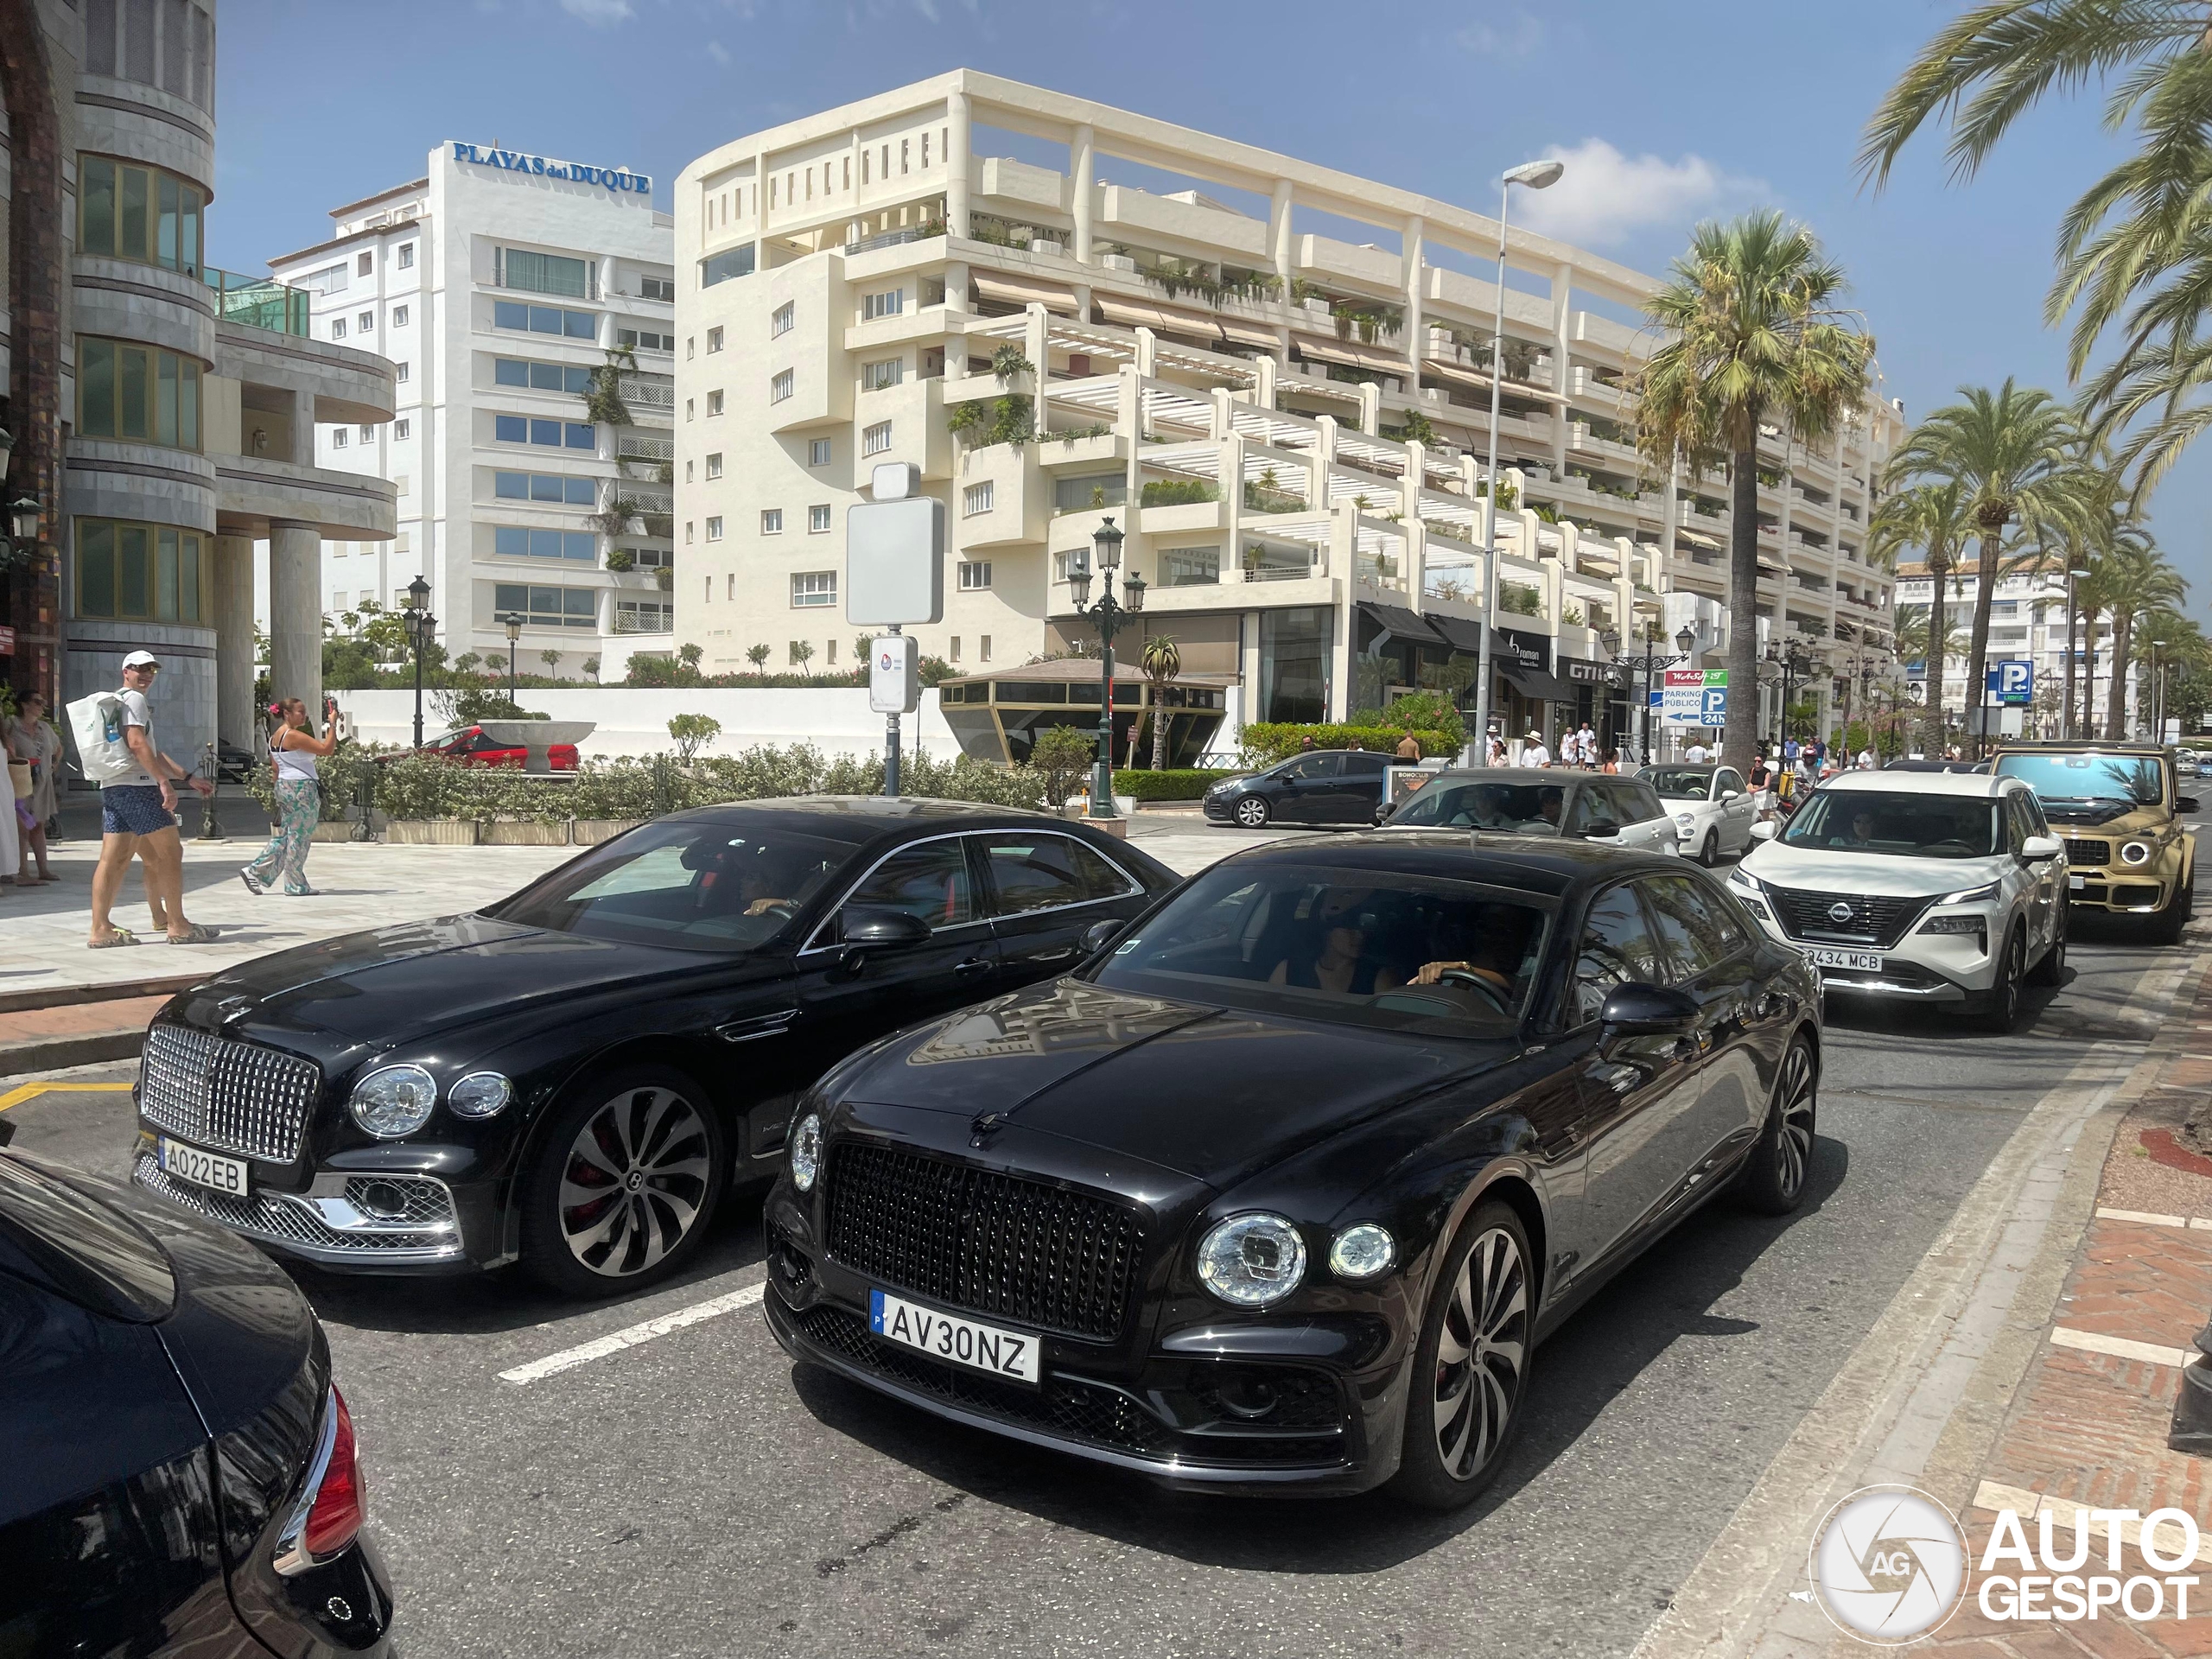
(1210, 1093)
(426, 975)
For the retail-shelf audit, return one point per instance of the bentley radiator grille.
(992, 1244)
(1860, 917)
(230, 1095)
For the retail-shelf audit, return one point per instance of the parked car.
(1960, 767)
(572, 1076)
(1277, 1194)
(2119, 809)
(1933, 887)
(1714, 809)
(1517, 801)
(1319, 787)
(182, 1474)
(472, 745)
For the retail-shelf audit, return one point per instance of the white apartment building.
(2027, 622)
(497, 284)
(1287, 422)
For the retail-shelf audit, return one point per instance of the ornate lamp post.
(513, 619)
(1110, 618)
(420, 623)
(1797, 663)
(1649, 663)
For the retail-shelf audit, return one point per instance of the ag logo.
(1888, 1564)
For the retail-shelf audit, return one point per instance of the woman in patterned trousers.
(293, 750)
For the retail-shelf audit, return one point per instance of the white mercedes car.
(1936, 887)
(1714, 809)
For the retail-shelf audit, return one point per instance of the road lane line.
(17, 1095)
(631, 1335)
(2091, 1342)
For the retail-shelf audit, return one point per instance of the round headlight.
(1252, 1261)
(806, 1152)
(1363, 1251)
(1685, 820)
(394, 1102)
(2135, 852)
(481, 1094)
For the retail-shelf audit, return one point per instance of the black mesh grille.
(992, 1244)
(2089, 855)
(1872, 918)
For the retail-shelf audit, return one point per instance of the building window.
(137, 392)
(888, 304)
(714, 528)
(365, 323)
(715, 403)
(817, 452)
(407, 256)
(687, 409)
(714, 340)
(153, 573)
(364, 264)
(690, 347)
(817, 519)
(545, 434)
(545, 320)
(714, 466)
(546, 273)
(729, 590)
(956, 647)
(645, 339)
(519, 541)
(729, 262)
(338, 438)
(782, 319)
(830, 653)
(399, 316)
(399, 374)
(556, 489)
(140, 214)
(975, 576)
(771, 521)
(570, 378)
(875, 440)
(549, 607)
(687, 532)
(811, 590)
(874, 377)
(978, 498)
(780, 387)
(338, 327)
(402, 429)
(1190, 567)
(657, 288)
(368, 433)
(983, 649)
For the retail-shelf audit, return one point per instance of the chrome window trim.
(1135, 888)
(811, 949)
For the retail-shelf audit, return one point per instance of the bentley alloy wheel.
(1481, 1354)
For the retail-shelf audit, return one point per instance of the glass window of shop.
(136, 393)
(139, 212)
(1295, 647)
(149, 573)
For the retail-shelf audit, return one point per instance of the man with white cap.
(138, 815)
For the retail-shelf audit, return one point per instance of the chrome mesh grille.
(2084, 853)
(233, 1096)
(289, 1220)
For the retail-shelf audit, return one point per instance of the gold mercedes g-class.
(2119, 808)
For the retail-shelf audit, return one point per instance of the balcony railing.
(257, 302)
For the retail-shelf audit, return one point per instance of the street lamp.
(1110, 618)
(513, 619)
(419, 623)
(1647, 665)
(1535, 175)
(1797, 663)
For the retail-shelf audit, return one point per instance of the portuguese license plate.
(1869, 962)
(208, 1169)
(979, 1347)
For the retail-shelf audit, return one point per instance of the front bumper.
(1931, 968)
(2121, 889)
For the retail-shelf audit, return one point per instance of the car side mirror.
(1762, 830)
(1099, 935)
(2184, 803)
(1729, 794)
(891, 929)
(1640, 1010)
(2037, 849)
(1601, 832)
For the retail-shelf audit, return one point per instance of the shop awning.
(1247, 333)
(1008, 289)
(1538, 686)
(1404, 624)
(1351, 354)
(1131, 314)
(1459, 633)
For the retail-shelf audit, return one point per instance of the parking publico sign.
(1694, 696)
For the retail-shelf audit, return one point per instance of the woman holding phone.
(293, 750)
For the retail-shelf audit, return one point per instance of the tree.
(691, 734)
(802, 652)
(1064, 754)
(1161, 660)
(552, 661)
(758, 656)
(1933, 518)
(1755, 338)
(2134, 579)
(469, 661)
(2017, 457)
(591, 668)
(689, 655)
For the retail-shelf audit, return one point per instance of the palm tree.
(1754, 337)
(1161, 662)
(758, 656)
(2135, 582)
(1933, 518)
(2017, 457)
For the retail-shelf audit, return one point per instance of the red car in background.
(474, 746)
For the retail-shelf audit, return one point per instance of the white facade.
(2027, 622)
(496, 285)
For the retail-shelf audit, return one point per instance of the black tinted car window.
(1512, 809)
(1365, 764)
(1593, 809)
(1695, 933)
(1643, 803)
(929, 881)
(1041, 872)
(1310, 766)
(1617, 950)
(1900, 825)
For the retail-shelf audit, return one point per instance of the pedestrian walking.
(1494, 753)
(1533, 753)
(1697, 753)
(1409, 747)
(1612, 761)
(138, 818)
(32, 743)
(293, 750)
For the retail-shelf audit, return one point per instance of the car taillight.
(327, 1515)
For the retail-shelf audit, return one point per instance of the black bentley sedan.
(574, 1076)
(180, 1474)
(1280, 1192)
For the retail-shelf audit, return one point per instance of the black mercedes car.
(572, 1076)
(1278, 1191)
(180, 1476)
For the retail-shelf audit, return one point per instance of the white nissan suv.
(1923, 886)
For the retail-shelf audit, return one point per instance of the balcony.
(257, 302)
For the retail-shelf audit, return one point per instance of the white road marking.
(631, 1335)
(2090, 1342)
(2146, 1216)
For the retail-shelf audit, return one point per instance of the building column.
(956, 184)
(1081, 168)
(1278, 234)
(234, 653)
(1562, 322)
(296, 613)
(1416, 334)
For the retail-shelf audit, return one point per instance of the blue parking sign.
(1715, 708)
(2012, 681)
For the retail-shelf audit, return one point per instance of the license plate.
(2077, 882)
(947, 1337)
(1864, 960)
(208, 1169)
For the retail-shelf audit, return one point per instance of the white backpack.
(97, 724)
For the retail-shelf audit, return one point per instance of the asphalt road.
(695, 1495)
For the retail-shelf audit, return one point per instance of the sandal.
(121, 935)
(194, 934)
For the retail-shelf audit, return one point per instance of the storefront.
(997, 717)
(1600, 699)
(1531, 698)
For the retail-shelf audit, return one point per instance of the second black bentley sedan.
(1281, 1190)
(575, 1075)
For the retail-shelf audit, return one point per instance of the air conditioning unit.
(1046, 244)
(1119, 261)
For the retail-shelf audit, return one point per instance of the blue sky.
(1666, 112)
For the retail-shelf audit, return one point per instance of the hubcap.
(1252, 812)
(1793, 1143)
(1480, 1354)
(635, 1178)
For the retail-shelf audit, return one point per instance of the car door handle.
(972, 966)
(1061, 955)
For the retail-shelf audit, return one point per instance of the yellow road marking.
(17, 1095)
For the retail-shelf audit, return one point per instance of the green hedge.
(1188, 783)
(1268, 741)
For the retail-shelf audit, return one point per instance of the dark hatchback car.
(1319, 787)
(180, 1476)
(575, 1075)
(1279, 1192)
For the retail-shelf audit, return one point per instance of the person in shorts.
(138, 817)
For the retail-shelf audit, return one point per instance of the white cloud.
(1606, 196)
(600, 14)
(1517, 35)
(718, 52)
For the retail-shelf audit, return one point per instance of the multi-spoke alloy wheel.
(1773, 1178)
(1481, 1355)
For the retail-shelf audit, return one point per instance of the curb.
(53, 1053)
(121, 990)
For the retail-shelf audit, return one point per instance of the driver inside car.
(1496, 953)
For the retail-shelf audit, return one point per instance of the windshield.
(1514, 808)
(1390, 951)
(1678, 782)
(2138, 779)
(1901, 825)
(697, 886)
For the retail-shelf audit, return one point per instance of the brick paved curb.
(80, 1033)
